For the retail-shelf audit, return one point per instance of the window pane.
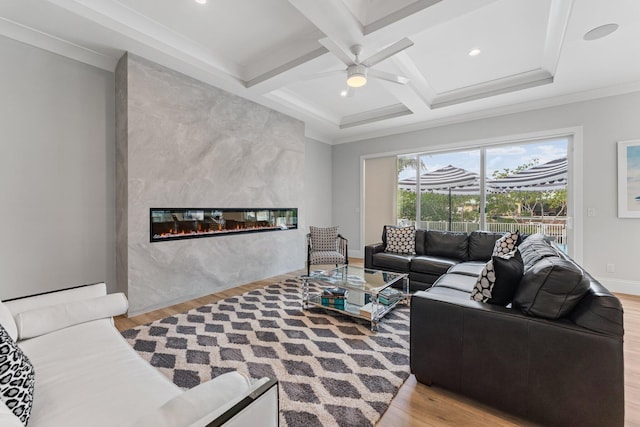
(406, 195)
(527, 188)
(450, 191)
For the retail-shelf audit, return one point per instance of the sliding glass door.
(500, 188)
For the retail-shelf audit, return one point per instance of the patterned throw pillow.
(401, 240)
(17, 378)
(499, 279)
(324, 239)
(506, 244)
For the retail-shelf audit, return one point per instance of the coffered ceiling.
(292, 55)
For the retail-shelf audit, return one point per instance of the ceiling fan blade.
(388, 51)
(383, 75)
(323, 74)
(337, 51)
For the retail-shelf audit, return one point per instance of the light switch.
(591, 211)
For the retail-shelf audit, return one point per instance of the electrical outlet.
(611, 268)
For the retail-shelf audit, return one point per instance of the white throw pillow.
(40, 321)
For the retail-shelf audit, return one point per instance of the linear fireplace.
(188, 223)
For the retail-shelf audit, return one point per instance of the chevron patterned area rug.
(332, 370)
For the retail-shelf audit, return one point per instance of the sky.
(507, 156)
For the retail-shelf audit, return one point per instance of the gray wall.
(318, 176)
(57, 173)
(606, 238)
(189, 144)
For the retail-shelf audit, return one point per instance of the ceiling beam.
(508, 84)
(398, 15)
(376, 115)
(286, 67)
(334, 19)
(556, 30)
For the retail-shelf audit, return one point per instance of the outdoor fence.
(556, 231)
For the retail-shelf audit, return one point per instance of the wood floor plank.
(417, 405)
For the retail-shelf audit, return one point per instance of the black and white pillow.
(499, 279)
(401, 240)
(506, 244)
(324, 239)
(17, 378)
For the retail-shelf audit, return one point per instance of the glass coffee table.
(355, 291)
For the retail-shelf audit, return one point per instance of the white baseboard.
(621, 286)
(356, 254)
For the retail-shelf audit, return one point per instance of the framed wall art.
(629, 179)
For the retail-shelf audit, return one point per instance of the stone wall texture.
(183, 143)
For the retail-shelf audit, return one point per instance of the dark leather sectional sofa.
(553, 356)
(436, 253)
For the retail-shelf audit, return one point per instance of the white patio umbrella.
(549, 176)
(449, 179)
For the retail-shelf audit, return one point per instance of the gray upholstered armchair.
(326, 246)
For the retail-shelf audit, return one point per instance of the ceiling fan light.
(356, 75)
(357, 80)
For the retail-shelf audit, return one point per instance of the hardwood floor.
(417, 405)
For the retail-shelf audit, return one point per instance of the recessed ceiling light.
(475, 52)
(343, 93)
(600, 32)
(201, 1)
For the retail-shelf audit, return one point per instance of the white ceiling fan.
(358, 71)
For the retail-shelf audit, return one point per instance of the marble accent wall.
(189, 144)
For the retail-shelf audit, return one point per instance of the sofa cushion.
(392, 262)
(534, 248)
(551, 288)
(421, 242)
(443, 291)
(470, 268)
(92, 357)
(326, 257)
(7, 419)
(506, 244)
(17, 378)
(401, 240)
(499, 280)
(460, 282)
(481, 245)
(432, 265)
(324, 238)
(447, 244)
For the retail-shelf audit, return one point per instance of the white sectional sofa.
(86, 374)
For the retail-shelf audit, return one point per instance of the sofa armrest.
(230, 399)
(515, 362)
(369, 250)
(261, 407)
